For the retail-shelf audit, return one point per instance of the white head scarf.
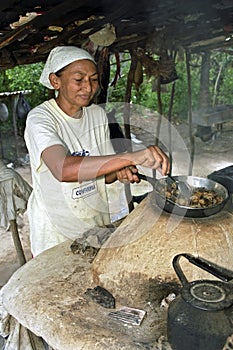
(59, 58)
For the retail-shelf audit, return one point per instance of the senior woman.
(71, 155)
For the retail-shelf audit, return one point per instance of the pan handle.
(149, 179)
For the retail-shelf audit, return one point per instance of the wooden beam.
(41, 21)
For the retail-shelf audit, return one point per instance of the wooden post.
(170, 117)
(170, 121)
(160, 110)
(191, 136)
(22, 260)
(128, 92)
(14, 100)
(17, 242)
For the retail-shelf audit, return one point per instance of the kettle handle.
(216, 270)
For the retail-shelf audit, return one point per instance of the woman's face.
(77, 84)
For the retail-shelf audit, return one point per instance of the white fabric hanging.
(14, 194)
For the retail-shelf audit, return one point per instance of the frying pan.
(195, 182)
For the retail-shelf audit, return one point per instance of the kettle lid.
(208, 294)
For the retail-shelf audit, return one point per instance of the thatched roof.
(30, 28)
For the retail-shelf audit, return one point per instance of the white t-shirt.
(61, 210)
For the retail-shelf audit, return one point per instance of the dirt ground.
(208, 157)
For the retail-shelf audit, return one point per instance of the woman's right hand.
(153, 157)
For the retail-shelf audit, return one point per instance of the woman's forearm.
(67, 168)
(86, 168)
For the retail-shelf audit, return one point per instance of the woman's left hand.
(128, 175)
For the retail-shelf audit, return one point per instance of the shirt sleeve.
(40, 133)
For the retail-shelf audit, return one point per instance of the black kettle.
(201, 316)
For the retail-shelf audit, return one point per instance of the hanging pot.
(22, 107)
(4, 113)
(201, 316)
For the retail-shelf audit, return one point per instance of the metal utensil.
(184, 189)
(129, 315)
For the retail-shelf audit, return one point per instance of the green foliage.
(24, 77)
(226, 88)
(221, 84)
(146, 96)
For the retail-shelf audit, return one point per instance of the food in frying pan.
(201, 197)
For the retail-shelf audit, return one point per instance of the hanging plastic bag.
(22, 107)
(4, 113)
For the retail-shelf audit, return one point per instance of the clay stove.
(47, 295)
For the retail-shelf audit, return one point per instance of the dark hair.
(59, 72)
